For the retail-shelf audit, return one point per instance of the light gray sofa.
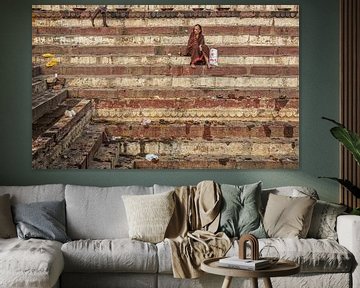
(101, 254)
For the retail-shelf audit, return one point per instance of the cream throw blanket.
(191, 231)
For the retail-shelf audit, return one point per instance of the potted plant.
(351, 141)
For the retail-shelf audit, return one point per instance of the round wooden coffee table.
(281, 268)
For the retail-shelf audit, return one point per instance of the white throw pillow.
(149, 215)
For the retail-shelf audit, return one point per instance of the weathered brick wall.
(149, 100)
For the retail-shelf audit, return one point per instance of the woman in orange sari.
(197, 49)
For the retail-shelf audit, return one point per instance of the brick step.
(39, 85)
(46, 102)
(167, 31)
(198, 103)
(264, 17)
(171, 114)
(200, 82)
(208, 162)
(161, 60)
(81, 152)
(165, 93)
(159, 7)
(136, 40)
(106, 157)
(232, 147)
(201, 114)
(53, 115)
(172, 70)
(49, 144)
(167, 15)
(36, 70)
(161, 50)
(201, 129)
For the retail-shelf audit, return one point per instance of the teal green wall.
(319, 69)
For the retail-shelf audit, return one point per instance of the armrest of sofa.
(348, 230)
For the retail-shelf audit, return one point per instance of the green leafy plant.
(351, 141)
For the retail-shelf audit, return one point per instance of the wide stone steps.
(208, 162)
(169, 92)
(157, 81)
(47, 102)
(187, 103)
(164, 7)
(236, 30)
(104, 50)
(89, 152)
(36, 70)
(201, 130)
(232, 147)
(51, 115)
(201, 109)
(39, 85)
(267, 16)
(106, 157)
(81, 152)
(171, 69)
(60, 133)
(135, 40)
(170, 114)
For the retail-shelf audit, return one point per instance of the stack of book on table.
(236, 262)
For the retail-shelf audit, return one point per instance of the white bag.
(213, 57)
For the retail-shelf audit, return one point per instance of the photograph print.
(165, 86)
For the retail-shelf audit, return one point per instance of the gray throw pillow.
(240, 213)
(7, 226)
(323, 222)
(44, 220)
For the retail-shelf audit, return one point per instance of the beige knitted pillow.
(149, 215)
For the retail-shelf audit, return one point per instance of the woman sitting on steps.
(197, 49)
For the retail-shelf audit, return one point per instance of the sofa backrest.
(163, 188)
(293, 191)
(98, 212)
(35, 193)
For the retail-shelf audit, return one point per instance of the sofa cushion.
(7, 226)
(240, 210)
(30, 263)
(98, 213)
(117, 255)
(164, 257)
(44, 220)
(313, 255)
(323, 222)
(149, 215)
(287, 216)
(34, 193)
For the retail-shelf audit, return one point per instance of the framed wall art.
(165, 86)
